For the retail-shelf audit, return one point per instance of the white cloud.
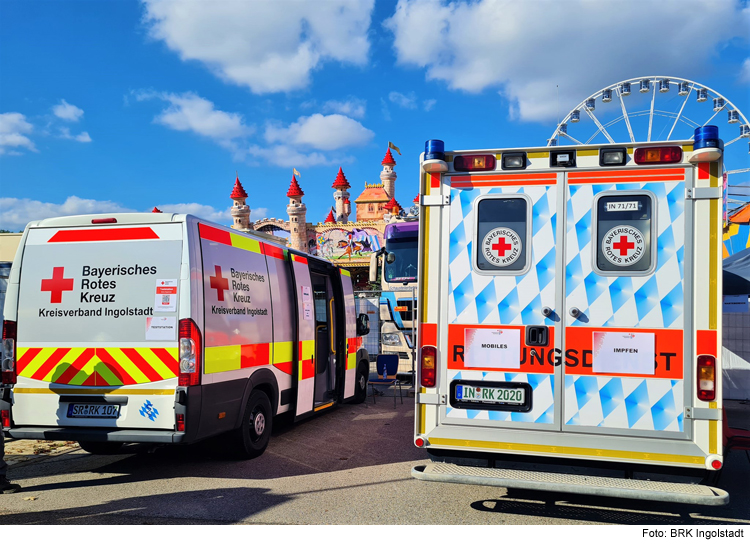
(406, 101)
(205, 211)
(67, 111)
(80, 137)
(15, 213)
(13, 133)
(385, 113)
(266, 45)
(745, 72)
(189, 112)
(525, 49)
(429, 104)
(321, 132)
(352, 107)
(282, 155)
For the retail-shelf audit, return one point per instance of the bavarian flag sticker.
(502, 246)
(623, 245)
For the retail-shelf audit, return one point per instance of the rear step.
(572, 483)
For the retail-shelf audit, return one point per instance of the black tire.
(252, 437)
(360, 386)
(101, 448)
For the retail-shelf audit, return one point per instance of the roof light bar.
(658, 155)
(103, 221)
(479, 162)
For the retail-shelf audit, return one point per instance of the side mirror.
(373, 268)
(390, 258)
(363, 324)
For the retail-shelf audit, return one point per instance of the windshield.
(404, 267)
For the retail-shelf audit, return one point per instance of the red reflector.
(5, 418)
(478, 162)
(661, 154)
(706, 377)
(103, 221)
(428, 366)
(180, 423)
(716, 464)
(419, 442)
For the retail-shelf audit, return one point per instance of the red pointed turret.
(388, 159)
(156, 210)
(392, 204)
(294, 189)
(238, 191)
(330, 218)
(416, 199)
(346, 201)
(341, 182)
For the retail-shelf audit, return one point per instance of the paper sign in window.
(492, 348)
(161, 328)
(166, 295)
(624, 352)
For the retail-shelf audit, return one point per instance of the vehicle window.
(502, 233)
(623, 233)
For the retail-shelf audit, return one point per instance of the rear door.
(97, 326)
(502, 347)
(625, 284)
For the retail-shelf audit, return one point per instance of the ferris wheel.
(659, 108)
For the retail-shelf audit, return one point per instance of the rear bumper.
(96, 435)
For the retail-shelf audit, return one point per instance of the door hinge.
(702, 414)
(713, 193)
(434, 200)
(432, 399)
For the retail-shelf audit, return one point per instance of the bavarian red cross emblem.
(219, 283)
(57, 285)
(623, 245)
(502, 246)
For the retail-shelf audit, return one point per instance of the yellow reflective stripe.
(345, 272)
(352, 361)
(581, 451)
(150, 357)
(245, 243)
(85, 372)
(223, 358)
(283, 352)
(308, 349)
(64, 364)
(532, 155)
(713, 431)
(40, 358)
(587, 153)
(96, 391)
(127, 365)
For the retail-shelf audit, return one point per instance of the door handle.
(333, 327)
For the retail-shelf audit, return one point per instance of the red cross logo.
(219, 283)
(57, 284)
(623, 245)
(501, 245)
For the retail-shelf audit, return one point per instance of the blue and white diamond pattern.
(491, 299)
(542, 388)
(634, 403)
(653, 301)
(149, 411)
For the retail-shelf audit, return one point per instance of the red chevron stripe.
(27, 358)
(164, 356)
(50, 363)
(142, 364)
(285, 367)
(109, 362)
(76, 366)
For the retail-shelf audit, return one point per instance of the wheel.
(360, 386)
(251, 438)
(101, 448)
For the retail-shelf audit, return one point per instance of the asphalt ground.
(349, 466)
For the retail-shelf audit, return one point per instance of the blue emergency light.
(707, 137)
(434, 149)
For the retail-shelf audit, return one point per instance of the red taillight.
(474, 163)
(180, 423)
(103, 221)
(428, 366)
(661, 154)
(190, 353)
(8, 353)
(706, 377)
(5, 418)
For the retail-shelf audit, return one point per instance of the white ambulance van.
(570, 313)
(165, 328)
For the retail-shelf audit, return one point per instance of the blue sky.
(127, 105)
